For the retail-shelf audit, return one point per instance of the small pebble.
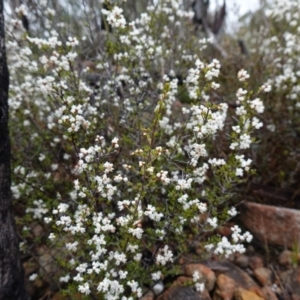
(242, 261)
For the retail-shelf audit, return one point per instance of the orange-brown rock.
(37, 230)
(148, 296)
(270, 224)
(242, 260)
(181, 281)
(184, 293)
(205, 273)
(234, 272)
(285, 258)
(263, 275)
(256, 262)
(242, 294)
(225, 287)
(268, 293)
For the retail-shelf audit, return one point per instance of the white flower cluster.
(282, 49)
(194, 75)
(232, 212)
(115, 17)
(202, 207)
(244, 165)
(164, 256)
(52, 42)
(226, 248)
(22, 9)
(205, 122)
(243, 75)
(39, 211)
(213, 222)
(243, 131)
(199, 285)
(153, 214)
(199, 173)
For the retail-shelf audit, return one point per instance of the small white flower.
(52, 236)
(137, 232)
(108, 167)
(243, 75)
(232, 212)
(239, 172)
(257, 105)
(196, 276)
(72, 41)
(65, 278)
(32, 277)
(213, 222)
(84, 289)
(22, 10)
(115, 142)
(266, 88)
(156, 276)
(200, 286)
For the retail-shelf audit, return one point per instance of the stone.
(250, 250)
(148, 296)
(184, 293)
(234, 272)
(231, 257)
(256, 262)
(37, 230)
(285, 258)
(242, 294)
(48, 264)
(182, 280)
(295, 297)
(242, 261)
(158, 287)
(184, 288)
(263, 275)
(268, 293)
(204, 295)
(238, 275)
(205, 274)
(270, 224)
(225, 287)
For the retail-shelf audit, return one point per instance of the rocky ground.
(269, 269)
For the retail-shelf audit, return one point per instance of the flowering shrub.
(131, 161)
(273, 46)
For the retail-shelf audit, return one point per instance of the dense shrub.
(131, 153)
